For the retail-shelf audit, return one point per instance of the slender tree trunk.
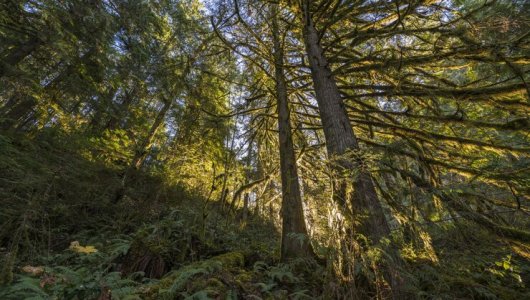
(244, 214)
(293, 222)
(258, 207)
(340, 139)
(227, 166)
(246, 197)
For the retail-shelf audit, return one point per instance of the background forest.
(260, 149)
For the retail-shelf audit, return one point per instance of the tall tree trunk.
(293, 223)
(248, 179)
(227, 167)
(340, 140)
(340, 137)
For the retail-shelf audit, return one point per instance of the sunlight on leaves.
(76, 247)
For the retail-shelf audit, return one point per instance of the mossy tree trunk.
(341, 141)
(295, 240)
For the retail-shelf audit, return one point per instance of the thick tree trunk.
(340, 141)
(293, 223)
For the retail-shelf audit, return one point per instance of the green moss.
(244, 277)
(230, 259)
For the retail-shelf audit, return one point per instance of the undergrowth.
(61, 237)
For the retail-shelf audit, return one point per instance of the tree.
(293, 224)
(341, 141)
(295, 241)
(367, 129)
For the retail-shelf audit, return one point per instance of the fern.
(281, 273)
(266, 287)
(119, 247)
(300, 295)
(200, 295)
(184, 276)
(24, 288)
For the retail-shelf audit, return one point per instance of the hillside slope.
(62, 237)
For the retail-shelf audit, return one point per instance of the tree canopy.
(289, 149)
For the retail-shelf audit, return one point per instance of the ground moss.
(244, 277)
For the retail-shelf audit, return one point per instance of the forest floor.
(62, 237)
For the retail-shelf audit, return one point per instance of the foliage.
(141, 149)
(75, 275)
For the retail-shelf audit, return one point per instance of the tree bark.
(340, 140)
(340, 137)
(295, 240)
